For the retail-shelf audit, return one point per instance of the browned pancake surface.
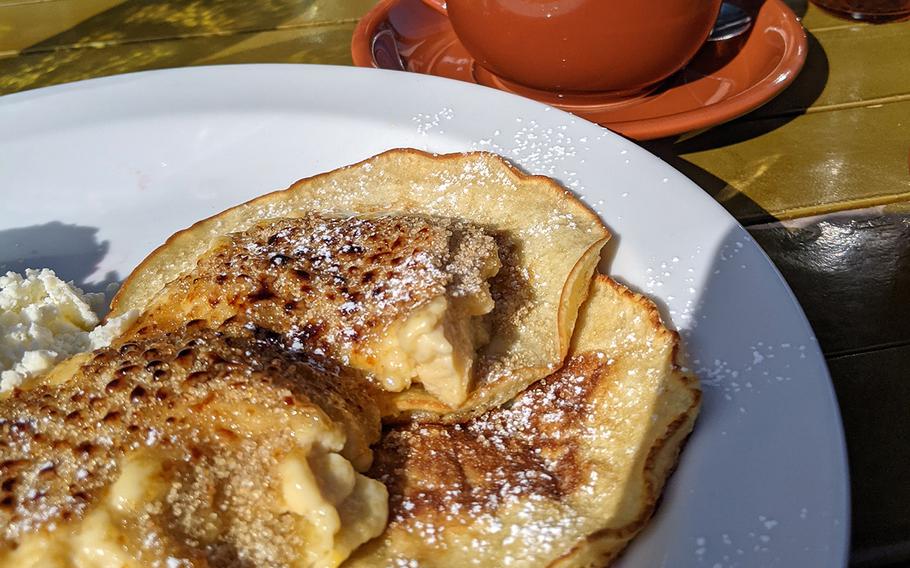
(522, 451)
(221, 409)
(328, 285)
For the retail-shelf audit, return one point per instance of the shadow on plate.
(72, 251)
(752, 358)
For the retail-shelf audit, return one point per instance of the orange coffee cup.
(618, 46)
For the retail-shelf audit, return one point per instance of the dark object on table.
(875, 11)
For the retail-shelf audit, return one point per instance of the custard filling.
(336, 509)
(435, 346)
(333, 508)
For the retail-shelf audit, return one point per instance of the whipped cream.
(44, 320)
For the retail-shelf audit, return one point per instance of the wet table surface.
(819, 177)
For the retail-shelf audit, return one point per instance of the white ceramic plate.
(96, 174)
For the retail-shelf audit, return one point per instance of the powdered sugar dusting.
(520, 483)
(731, 549)
(432, 122)
(523, 461)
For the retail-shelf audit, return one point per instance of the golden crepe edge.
(602, 548)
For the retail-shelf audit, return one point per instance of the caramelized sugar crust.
(219, 407)
(529, 445)
(329, 285)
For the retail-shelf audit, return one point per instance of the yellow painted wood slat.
(322, 44)
(68, 23)
(848, 66)
(26, 24)
(805, 165)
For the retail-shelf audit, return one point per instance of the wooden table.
(819, 177)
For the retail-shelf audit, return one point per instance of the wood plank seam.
(24, 2)
(875, 348)
(864, 103)
(867, 103)
(832, 207)
(201, 35)
(844, 26)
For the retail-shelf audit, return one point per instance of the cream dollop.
(44, 320)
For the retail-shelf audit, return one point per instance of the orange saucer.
(725, 79)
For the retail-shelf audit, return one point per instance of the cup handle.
(438, 5)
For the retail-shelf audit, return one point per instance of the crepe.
(564, 475)
(196, 447)
(548, 244)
